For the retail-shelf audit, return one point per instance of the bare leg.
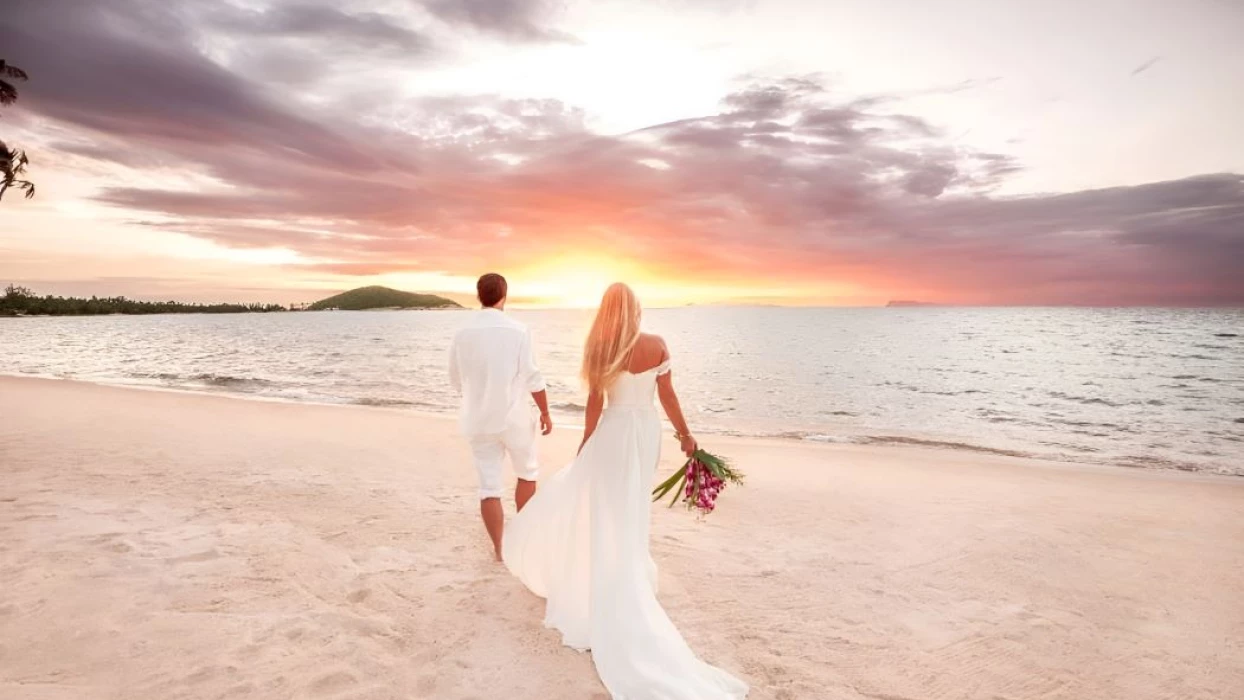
(494, 521)
(523, 492)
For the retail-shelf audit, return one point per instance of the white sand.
(158, 545)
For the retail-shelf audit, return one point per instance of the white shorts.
(489, 452)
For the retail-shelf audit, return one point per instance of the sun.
(574, 280)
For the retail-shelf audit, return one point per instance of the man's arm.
(535, 384)
(542, 401)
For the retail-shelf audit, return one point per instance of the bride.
(582, 540)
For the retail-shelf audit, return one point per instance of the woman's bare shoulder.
(651, 341)
(653, 346)
(649, 352)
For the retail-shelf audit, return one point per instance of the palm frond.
(26, 185)
(12, 71)
(12, 164)
(8, 93)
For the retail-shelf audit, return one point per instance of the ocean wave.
(1085, 449)
(1151, 462)
(943, 444)
(371, 401)
(1092, 425)
(1086, 400)
(821, 437)
(162, 376)
(203, 379)
(230, 381)
(904, 386)
(568, 407)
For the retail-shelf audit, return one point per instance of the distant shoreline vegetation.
(20, 301)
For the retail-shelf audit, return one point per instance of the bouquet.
(699, 482)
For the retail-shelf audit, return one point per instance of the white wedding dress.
(582, 543)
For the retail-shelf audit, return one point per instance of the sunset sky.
(843, 152)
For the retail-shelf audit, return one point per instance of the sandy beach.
(163, 545)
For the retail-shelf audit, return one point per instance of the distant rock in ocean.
(904, 302)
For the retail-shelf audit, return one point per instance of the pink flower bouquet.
(699, 482)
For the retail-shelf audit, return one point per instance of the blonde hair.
(612, 338)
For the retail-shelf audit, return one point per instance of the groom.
(491, 366)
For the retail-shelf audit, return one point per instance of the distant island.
(365, 298)
(20, 301)
(905, 302)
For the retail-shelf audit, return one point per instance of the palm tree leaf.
(13, 71)
(8, 93)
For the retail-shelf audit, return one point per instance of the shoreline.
(884, 439)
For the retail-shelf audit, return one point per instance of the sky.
(1044, 152)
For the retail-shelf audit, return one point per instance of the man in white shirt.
(491, 366)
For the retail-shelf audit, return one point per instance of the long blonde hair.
(612, 338)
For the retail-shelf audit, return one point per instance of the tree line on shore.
(20, 301)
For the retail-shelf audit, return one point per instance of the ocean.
(1146, 388)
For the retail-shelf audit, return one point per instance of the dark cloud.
(309, 20)
(132, 74)
(520, 20)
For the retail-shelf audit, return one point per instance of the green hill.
(382, 298)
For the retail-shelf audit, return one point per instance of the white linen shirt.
(491, 366)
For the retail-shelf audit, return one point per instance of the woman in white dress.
(582, 541)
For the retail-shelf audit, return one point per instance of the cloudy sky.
(781, 151)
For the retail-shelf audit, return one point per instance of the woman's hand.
(688, 445)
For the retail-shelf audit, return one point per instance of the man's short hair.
(491, 288)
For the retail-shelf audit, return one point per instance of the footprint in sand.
(207, 555)
(425, 687)
(244, 690)
(332, 683)
(111, 542)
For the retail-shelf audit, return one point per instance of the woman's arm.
(595, 404)
(669, 401)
